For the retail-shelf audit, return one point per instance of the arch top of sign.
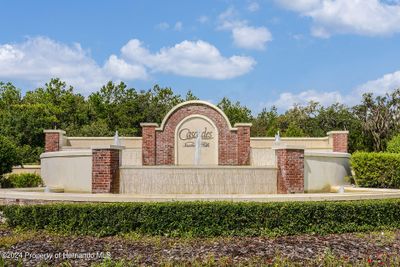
(194, 102)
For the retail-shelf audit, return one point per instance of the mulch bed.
(157, 250)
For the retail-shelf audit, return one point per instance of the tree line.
(371, 123)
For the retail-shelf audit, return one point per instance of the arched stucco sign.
(196, 139)
(174, 142)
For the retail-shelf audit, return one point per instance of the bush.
(207, 219)
(393, 145)
(30, 155)
(8, 155)
(376, 169)
(21, 180)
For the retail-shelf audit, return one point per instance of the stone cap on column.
(286, 146)
(51, 146)
(61, 132)
(337, 132)
(108, 147)
(148, 124)
(242, 124)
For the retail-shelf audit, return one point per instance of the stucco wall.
(132, 156)
(308, 143)
(323, 170)
(26, 169)
(262, 157)
(197, 180)
(88, 142)
(71, 170)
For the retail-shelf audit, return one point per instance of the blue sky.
(260, 52)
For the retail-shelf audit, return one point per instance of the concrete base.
(11, 196)
(197, 180)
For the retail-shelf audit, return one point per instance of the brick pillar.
(105, 169)
(339, 140)
(149, 143)
(243, 136)
(290, 165)
(53, 140)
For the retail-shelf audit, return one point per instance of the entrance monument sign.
(195, 150)
(196, 142)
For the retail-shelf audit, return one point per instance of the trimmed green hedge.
(21, 180)
(393, 145)
(206, 219)
(376, 169)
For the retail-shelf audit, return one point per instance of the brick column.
(290, 165)
(243, 136)
(105, 169)
(53, 140)
(339, 140)
(149, 143)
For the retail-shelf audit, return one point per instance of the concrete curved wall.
(325, 169)
(70, 170)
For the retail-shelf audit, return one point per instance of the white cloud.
(253, 7)
(39, 59)
(178, 26)
(229, 19)
(364, 17)
(251, 37)
(203, 19)
(121, 69)
(287, 100)
(162, 26)
(380, 86)
(193, 59)
(243, 35)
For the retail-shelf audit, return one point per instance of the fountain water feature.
(277, 139)
(341, 189)
(197, 148)
(116, 139)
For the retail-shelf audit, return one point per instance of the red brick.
(52, 142)
(290, 164)
(158, 147)
(340, 142)
(105, 171)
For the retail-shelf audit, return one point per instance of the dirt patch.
(40, 247)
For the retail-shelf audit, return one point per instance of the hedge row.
(377, 169)
(206, 219)
(20, 180)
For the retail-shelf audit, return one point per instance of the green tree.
(340, 117)
(69, 108)
(265, 124)
(190, 96)
(123, 108)
(304, 117)
(235, 112)
(379, 117)
(9, 95)
(293, 131)
(8, 155)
